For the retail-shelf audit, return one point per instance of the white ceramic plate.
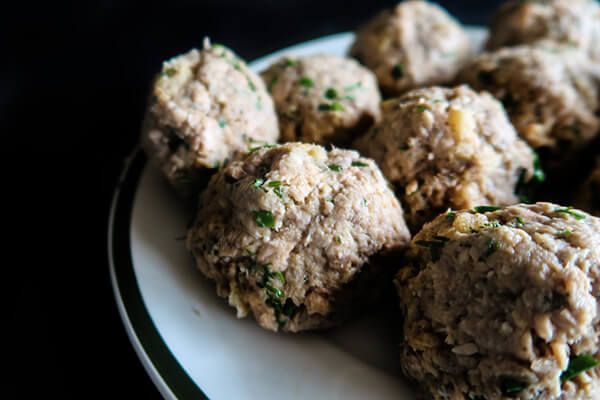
(190, 341)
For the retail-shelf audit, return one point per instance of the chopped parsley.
(222, 122)
(491, 248)
(272, 83)
(335, 167)
(365, 202)
(274, 184)
(278, 192)
(398, 72)
(258, 182)
(520, 220)
(289, 62)
(509, 385)
(434, 247)
(538, 173)
(485, 209)
(565, 233)
(306, 82)
(331, 94)
(441, 238)
(569, 211)
(359, 164)
(266, 146)
(339, 239)
(250, 253)
(352, 87)
(331, 201)
(578, 365)
(335, 106)
(422, 109)
(450, 214)
(170, 72)
(264, 219)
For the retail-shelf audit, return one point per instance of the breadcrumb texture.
(205, 106)
(323, 98)
(289, 233)
(571, 22)
(413, 45)
(448, 148)
(501, 306)
(550, 92)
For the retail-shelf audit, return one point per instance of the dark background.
(72, 87)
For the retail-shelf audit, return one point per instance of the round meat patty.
(571, 22)
(590, 192)
(289, 233)
(550, 92)
(416, 44)
(449, 148)
(205, 106)
(503, 304)
(323, 98)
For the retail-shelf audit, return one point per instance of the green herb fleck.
(331, 201)
(170, 72)
(264, 218)
(538, 173)
(335, 106)
(359, 164)
(352, 87)
(222, 123)
(398, 72)
(335, 167)
(250, 253)
(491, 248)
(473, 230)
(273, 289)
(278, 192)
(565, 233)
(485, 209)
(520, 220)
(289, 62)
(422, 109)
(365, 202)
(266, 146)
(306, 82)
(450, 214)
(339, 239)
(272, 83)
(434, 247)
(331, 94)
(578, 365)
(510, 385)
(258, 182)
(569, 211)
(274, 184)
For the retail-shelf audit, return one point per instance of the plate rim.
(167, 374)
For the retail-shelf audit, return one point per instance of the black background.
(73, 81)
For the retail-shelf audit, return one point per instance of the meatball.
(294, 234)
(571, 22)
(449, 148)
(504, 303)
(550, 93)
(590, 192)
(323, 98)
(205, 106)
(416, 44)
